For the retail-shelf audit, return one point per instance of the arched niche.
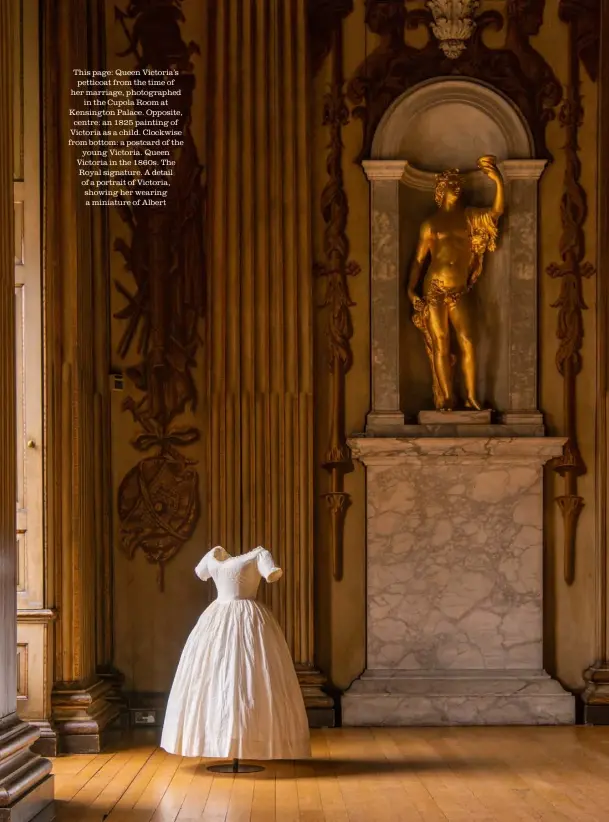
(465, 117)
(449, 123)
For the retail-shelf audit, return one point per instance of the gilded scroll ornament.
(455, 240)
(573, 269)
(336, 269)
(158, 499)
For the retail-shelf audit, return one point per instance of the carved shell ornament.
(453, 24)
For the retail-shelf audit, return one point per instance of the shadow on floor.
(352, 767)
(74, 812)
(371, 767)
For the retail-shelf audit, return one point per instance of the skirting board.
(463, 698)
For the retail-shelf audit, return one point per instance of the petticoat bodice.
(237, 577)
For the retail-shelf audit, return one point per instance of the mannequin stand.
(235, 767)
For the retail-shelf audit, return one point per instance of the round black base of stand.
(235, 767)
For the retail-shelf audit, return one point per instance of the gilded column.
(26, 788)
(82, 705)
(260, 297)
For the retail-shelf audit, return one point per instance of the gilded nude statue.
(455, 239)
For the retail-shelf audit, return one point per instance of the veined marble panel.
(454, 565)
(455, 587)
(389, 450)
(532, 428)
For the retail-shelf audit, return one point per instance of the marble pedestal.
(454, 588)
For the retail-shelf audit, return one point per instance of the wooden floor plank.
(198, 793)
(242, 796)
(386, 794)
(175, 795)
(355, 775)
(90, 802)
(122, 811)
(418, 804)
(354, 752)
(453, 798)
(326, 772)
(218, 799)
(152, 797)
(485, 780)
(286, 793)
(551, 779)
(263, 800)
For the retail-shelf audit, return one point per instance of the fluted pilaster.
(76, 408)
(260, 300)
(25, 786)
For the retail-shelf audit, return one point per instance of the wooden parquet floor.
(356, 775)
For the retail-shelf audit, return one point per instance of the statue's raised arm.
(488, 165)
(484, 222)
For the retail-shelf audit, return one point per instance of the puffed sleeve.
(202, 569)
(266, 566)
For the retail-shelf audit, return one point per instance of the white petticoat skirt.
(235, 694)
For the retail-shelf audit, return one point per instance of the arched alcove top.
(450, 122)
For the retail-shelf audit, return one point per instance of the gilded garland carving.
(516, 69)
(158, 499)
(337, 268)
(583, 19)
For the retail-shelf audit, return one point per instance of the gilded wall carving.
(583, 19)
(336, 268)
(516, 69)
(158, 499)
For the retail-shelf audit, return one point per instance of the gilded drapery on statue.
(455, 239)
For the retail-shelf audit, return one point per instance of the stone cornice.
(384, 450)
(379, 170)
(404, 172)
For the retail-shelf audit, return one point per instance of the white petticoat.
(235, 692)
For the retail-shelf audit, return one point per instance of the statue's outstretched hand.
(488, 164)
